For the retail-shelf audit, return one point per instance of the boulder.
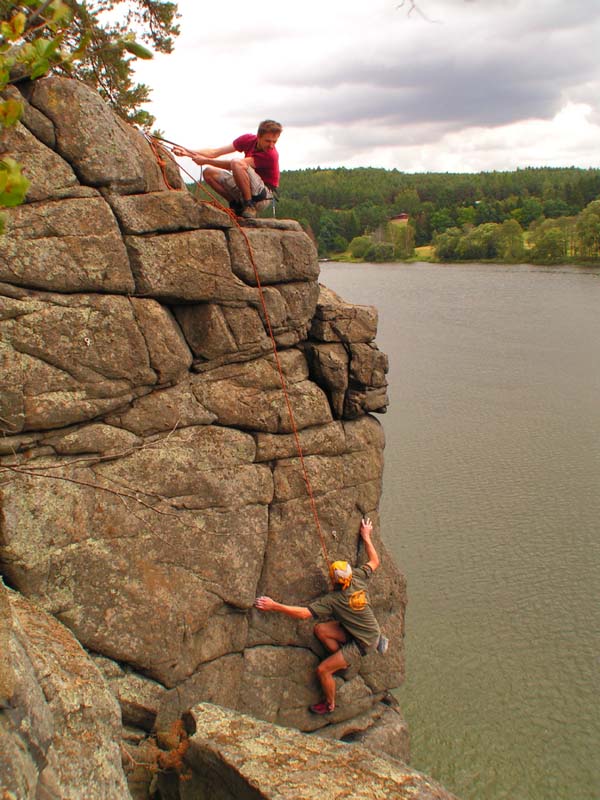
(338, 321)
(139, 697)
(165, 212)
(103, 150)
(273, 224)
(7, 672)
(50, 175)
(328, 439)
(331, 439)
(297, 303)
(351, 371)
(280, 256)
(213, 331)
(36, 122)
(235, 757)
(329, 364)
(381, 728)
(276, 688)
(162, 411)
(59, 729)
(190, 266)
(70, 358)
(249, 395)
(95, 438)
(218, 681)
(69, 246)
(168, 352)
(179, 526)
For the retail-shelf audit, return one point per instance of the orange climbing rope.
(157, 143)
(160, 160)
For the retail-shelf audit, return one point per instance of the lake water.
(491, 508)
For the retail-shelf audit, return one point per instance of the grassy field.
(425, 253)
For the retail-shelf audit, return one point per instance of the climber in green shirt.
(350, 629)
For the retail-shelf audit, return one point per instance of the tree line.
(544, 212)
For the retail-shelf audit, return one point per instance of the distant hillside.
(340, 204)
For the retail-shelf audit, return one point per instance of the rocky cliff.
(150, 484)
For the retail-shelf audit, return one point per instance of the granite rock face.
(59, 722)
(235, 757)
(150, 484)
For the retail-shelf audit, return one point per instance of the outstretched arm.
(208, 153)
(267, 604)
(366, 530)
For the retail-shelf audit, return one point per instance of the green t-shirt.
(351, 607)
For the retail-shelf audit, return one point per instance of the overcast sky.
(467, 85)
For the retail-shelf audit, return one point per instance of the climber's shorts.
(352, 651)
(257, 186)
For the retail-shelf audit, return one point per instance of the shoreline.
(593, 269)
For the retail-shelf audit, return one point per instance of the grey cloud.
(366, 137)
(488, 98)
(486, 83)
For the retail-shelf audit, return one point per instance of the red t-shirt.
(266, 162)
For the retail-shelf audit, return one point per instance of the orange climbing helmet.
(341, 572)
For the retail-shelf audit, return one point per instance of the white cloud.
(569, 139)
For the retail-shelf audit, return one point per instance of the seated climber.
(351, 629)
(248, 183)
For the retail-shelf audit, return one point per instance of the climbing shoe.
(321, 708)
(249, 211)
(382, 645)
(262, 195)
(236, 207)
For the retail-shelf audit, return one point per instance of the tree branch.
(411, 6)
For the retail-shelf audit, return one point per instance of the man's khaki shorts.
(352, 652)
(257, 186)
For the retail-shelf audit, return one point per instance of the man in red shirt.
(248, 183)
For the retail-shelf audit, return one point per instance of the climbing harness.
(158, 143)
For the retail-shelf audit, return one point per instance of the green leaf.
(10, 112)
(136, 49)
(18, 24)
(13, 184)
(52, 50)
(25, 53)
(13, 29)
(38, 68)
(4, 73)
(60, 12)
(2, 224)
(41, 46)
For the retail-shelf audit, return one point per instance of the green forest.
(545, 215)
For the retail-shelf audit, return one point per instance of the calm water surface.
(491, 507)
